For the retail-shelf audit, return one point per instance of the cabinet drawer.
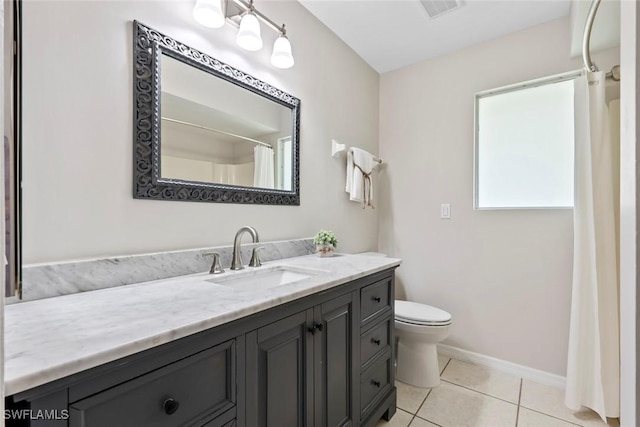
(195, 389)
(375, 299)
(225, 420)
(374, 341)
(374, 384)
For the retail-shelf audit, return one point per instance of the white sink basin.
(265, 278)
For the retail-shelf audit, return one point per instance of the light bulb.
(281, 56)
(249, 33)
(209, 13)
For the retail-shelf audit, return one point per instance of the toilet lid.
(413, 312)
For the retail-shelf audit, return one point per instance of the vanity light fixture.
(248, 36)
(244, 16)
(281, 56)
(209, 13)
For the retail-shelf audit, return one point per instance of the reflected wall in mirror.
(205, 131)
(214, 131)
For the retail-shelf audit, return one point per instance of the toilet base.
(417, 364)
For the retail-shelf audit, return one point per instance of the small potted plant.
(325, 242)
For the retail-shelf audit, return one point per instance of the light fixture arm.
(246, 18)
(248, 6)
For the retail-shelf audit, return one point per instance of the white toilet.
(419, 328)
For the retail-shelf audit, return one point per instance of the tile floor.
(477, 396)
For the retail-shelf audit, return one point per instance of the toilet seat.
(420, 314)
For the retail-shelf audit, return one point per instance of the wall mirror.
(205, 131)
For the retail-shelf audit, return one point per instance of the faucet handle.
(255, 259)
(216, 268)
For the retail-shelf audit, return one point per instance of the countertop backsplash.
(49, 280)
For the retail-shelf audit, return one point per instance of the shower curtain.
(263, 167)
(593, 368)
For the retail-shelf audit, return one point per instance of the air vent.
(440, 7)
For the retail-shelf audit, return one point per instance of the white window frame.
(571, 75)
(281, 162)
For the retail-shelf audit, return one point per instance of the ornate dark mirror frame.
(148, 46)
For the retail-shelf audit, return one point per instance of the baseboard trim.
(525, 372)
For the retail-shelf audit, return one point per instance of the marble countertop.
(52, 338)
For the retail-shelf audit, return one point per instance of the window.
(524, 145)
(284, 160)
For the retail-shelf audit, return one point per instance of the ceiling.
(390, 34)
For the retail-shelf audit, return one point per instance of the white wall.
(505, 276)
(629, 200)
(77, 99)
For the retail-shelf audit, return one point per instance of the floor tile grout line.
(415, 415)
(429, 421)
(518, 405)
(422, 404)
(445, 366)
(552, 416)
(519, 399)
(403, 410)
(480, 392)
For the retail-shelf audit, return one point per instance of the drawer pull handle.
(375, 341)
(316, 327)
(170, 406)
(375, 383)
(376, 299)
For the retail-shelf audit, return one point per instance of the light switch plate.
(445, 211)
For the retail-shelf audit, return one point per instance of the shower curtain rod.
(614, 74)
(180, 122)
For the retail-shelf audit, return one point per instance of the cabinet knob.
(170, 406)
(315, 327)
(375, 383)
(376, 299)
(375, 341)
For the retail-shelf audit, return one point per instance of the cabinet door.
(280, 373)
(334, 362)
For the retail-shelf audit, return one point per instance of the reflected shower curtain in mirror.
(593, 368)
(263, 175)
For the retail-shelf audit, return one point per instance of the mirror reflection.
(217, 132)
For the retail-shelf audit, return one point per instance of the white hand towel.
(360, 164)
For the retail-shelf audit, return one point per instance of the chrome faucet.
(216, 267)
(236, 263)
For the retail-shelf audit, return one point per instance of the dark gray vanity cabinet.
(197, 390)
(279, 374)
(376, 340)
(300, 369)
(334, 368)
(325, 360)
(194, 381)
